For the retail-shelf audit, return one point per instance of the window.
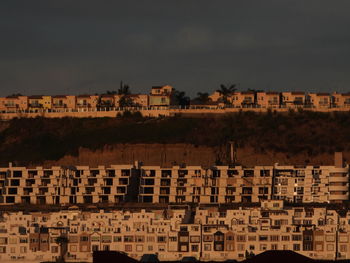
(183, 248)
(128, 238)
(262, 238)
(73, 248)
(161, 239)
(150, 239)
(218, 237)
(343, 238)
(343, 248)
(274, 238)
(296, 237)
(139, 248)
(229, 237)
(318, 238)
(263, 247)
(330, 238)
(140, 239)
(207, 247)
(23, 250)
(195, 239)
(128, 248)
(229, 247)
(274, 246)
(117, 239)
(84, 238)
(94, 248)
(241, 238)
(2, 249)
(183, 238)
(218, 247)
(194, 248)
(330, 247)
(251, 238)
(307, 247)
(307, 238)
(208, 238)
(296, 247)
(285, 238)
(240, 247)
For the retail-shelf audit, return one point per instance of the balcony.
(337, 197)
(83, 105)
(338, 188)
(59, 105)
(11, 105)
(35, 105)
(338, 179)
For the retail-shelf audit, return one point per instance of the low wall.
(94, 113)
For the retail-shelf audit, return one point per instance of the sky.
(79, 47)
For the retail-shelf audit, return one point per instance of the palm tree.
(126, 101)
(111, 92)
(62, 241)
(124, 89)
(180, 98)
(226, 91)
(202, 98)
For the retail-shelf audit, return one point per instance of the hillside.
(295, 137)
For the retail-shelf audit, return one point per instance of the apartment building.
(293, 99)
(312, 183)
(14, 103)
(341, 100)
(268, 99)
(319, 100)
(86, 101)
(39, 102)
(161, 98)
(177, 184)
(65, 185)
(63, 102)
(206, 233)
(242, 99)
(162, 90)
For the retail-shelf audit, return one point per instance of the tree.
(180, 98)
(62, 241)
(16, 95)
(126, 101)
(124, 89)
(202, 98)
(111, 92)
(226, 91)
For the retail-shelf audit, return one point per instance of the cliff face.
(259, 139)
(166, 155)
(149, 154)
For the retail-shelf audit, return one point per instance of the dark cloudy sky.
(58, 47)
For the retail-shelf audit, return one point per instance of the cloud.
(190, 39)
(91, 46)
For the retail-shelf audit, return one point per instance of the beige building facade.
(206, 233)
(178, 184)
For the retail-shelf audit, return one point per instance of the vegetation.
(226, 91)
(202, 98)
(180, 98)
(35, 140)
